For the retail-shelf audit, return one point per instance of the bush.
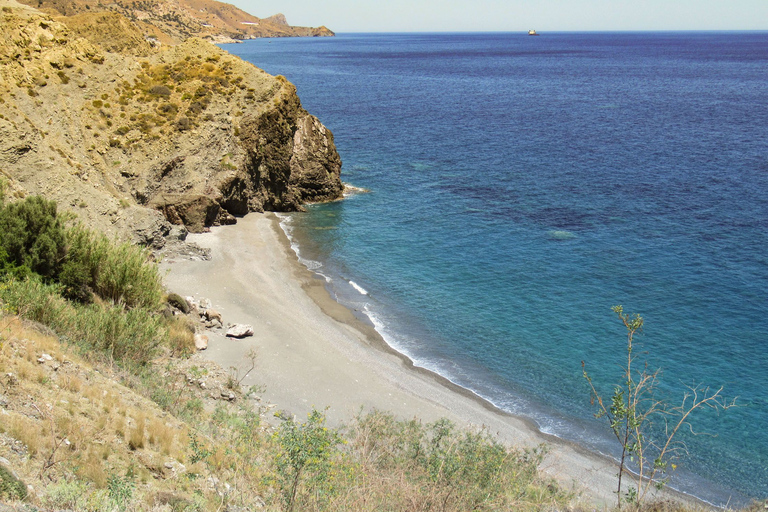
(75, 278)
(160, 90)
(33, 239)
(443, 467)
(128, 336)
(178, 302)
(74, 495)
(11, 487)
(168, 109)
(183, 124)
(32, 236)
(118, 272)
(304, 450)
(635, 409)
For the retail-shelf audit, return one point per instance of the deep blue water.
(521, 186)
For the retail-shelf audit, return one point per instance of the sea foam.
(359, 288)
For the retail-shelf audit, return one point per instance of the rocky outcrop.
(291, 159)
(174, 21)
(281, 158)
(239, 331)
(133, 144)
(278, 19)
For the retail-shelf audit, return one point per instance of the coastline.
(314, 352)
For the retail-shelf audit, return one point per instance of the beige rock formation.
(133, 139)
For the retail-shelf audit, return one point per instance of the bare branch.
(633, 411)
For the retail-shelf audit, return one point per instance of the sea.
(515, 188)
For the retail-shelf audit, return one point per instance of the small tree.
(633, 410)
(304, 448)
(32, 236)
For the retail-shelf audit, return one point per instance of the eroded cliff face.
(188, 135)
(275, 158)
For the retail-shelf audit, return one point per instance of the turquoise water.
(520, 187)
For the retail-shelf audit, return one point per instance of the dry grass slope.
(85, 437)
(65, 421)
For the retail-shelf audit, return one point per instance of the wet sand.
(313, 352)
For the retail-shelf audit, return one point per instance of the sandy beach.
(313, 352)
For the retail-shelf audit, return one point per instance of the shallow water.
(520, 187)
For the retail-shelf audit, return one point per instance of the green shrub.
(160, 90)
(11, 487)
(119, 272)
(128, 336)
(75, 279)
(177, 301)
(32, 235)
(32, 299)
(120, 490)
(304, 453)
(124, 335)
(447, 468)
(65, 494)
(33, 239)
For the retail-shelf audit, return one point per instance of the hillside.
(134, 138)
(171, 22)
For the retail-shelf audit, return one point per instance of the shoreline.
(319, 292)
(341, 362)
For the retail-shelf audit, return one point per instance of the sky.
(515, 15)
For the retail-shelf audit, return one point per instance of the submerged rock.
(561, 235)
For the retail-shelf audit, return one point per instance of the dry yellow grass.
(136, 435)
(161, 436)
(72, 421)
(72, 383)
(181, 336)
(91, 467)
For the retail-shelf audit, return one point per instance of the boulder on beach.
(239, 331)
(201, 341)
(212, 314)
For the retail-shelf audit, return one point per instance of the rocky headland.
(171, 22)
(137, 138)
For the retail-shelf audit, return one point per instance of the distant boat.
(532, 33)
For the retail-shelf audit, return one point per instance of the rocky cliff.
(134, 139)
(173, 21)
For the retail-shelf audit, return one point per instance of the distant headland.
(172, 22)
